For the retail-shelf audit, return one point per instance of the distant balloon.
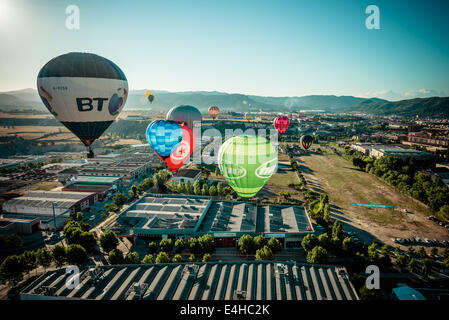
(183, 151)
(149, 96)
(184, 114)
(247, 162)
(213, 111)
(306, 141)
(244, 102)
(164, 137)
(281, 124)
(84, 91)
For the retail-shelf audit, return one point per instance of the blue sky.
(272, 48)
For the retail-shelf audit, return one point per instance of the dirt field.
(126, 141)
(346, 184)
(31, 132)
(25, 116)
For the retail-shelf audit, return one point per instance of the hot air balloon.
(306, 141)
(247, 162)
(84, 91)
(248, 116)
(149, 96)
(183, 151)
(281, 124)
(184, 114)
(213, 111)
(164, 137)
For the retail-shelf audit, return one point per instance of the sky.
(261, 47)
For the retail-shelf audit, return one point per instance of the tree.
(152, 247)
(192, 258)
(108, 241)
(148, 259)
(372, 252)
(413, 263)
(162, 257)
(87, 241)
(220, 189)
(400, 261)
(246, 244)
(177, 258)
(132, 258)
(324, 240)
(207, 257)
(196, 188)
(115, 257)
(205, 190)
(275, 245)
(309, 242)
(425, 265)
(206, 243)
(180, 187)
(260, 241)
(59, 255)
(421, 252)
(180, 245)
(411, 251)
(264, 253)
(76, 254)
(166, 245)
(29, 261)
(434, 251)
(317, 255)
(194, 245)
(212, 190)
(44, 257)
(348, 245)
(337, 231)
(79, 216)
(11, 267)
(173, 186)
(188, 187)
(369, 294)
(119, 199)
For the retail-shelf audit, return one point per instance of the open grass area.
(346, 184)
(282, 178)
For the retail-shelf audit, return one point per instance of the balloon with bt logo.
(247, 162)
(84, 91)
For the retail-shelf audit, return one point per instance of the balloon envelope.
(213, 111)
(306, 141)
(84, 91)
(186, 114)
(164, 137)
(247, 162)
(281, 124)
(183, 151)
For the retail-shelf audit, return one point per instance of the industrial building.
(185, 175)
(19, 225)
(260, 280)
(156, 216)
(102, 185)
(379, 150)
(45, 203)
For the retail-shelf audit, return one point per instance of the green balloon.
(247, 162)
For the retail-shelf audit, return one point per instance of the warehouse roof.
(45, 199)
(188, 173)
(261, 280)
(86, 178)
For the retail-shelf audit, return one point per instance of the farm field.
(346, 184)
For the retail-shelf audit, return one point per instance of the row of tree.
(408, 177)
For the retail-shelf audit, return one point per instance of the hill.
(164, 100)
(423, 107)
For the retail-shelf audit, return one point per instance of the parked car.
(92, 217)
(427, 241)
(418, 240)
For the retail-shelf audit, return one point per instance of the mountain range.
(164, 100)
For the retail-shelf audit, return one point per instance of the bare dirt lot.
(346, 184)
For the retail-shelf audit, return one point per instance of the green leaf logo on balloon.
(247, 162)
